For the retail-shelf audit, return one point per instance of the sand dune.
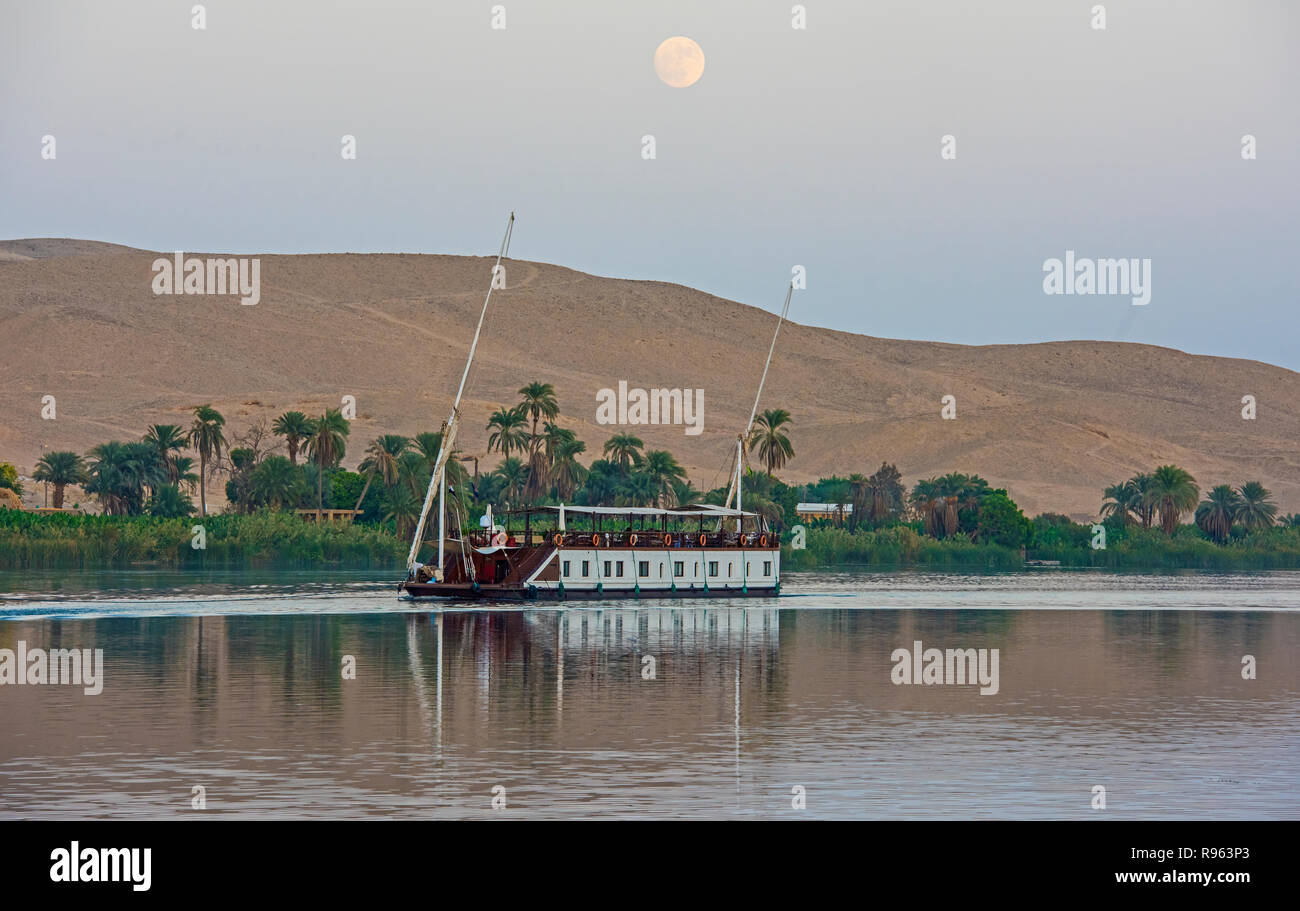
(1053, 422)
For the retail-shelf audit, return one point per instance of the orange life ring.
(703, 540)
(668, 540)
(595, 540)
(631, 542)
(559, 539)
(762, 541)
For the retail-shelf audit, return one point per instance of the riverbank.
(1126, 548)
(262, 539)
(273, 540)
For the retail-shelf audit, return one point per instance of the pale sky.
(818, 147)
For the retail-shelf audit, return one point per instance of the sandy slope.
(1053, 422)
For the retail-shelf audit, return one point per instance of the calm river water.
(238, 684)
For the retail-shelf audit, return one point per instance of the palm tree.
(144, 474)
(772, 443)
(1123, 500)
(184, 467)
(427, 444)
(951, 518)
(401, 507)
(969, 489)
(567, 474)
(664, 472)
(766, 508)
(326, 446)
(927, 499)
(167, 440)
(1143, 506)
(538, 402)
(104, 477)
(624, 450)
(858, 489)
(553, 437)
(1173, 491)
(414, 472)
(602, 483)
(458, 478)
(945, 499)
(508, 431)
(169, 502)
(238, 489)
(275, 482)
(381, 459)
(120, 475)
(488, 489)
(1256, 511)
(205, 435)
(513, 474)
(60, 469)
(637, 489)
(1218, 511)
(886, 489)
(686, 492)
(295, 427)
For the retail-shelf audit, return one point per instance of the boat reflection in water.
(700, 709)
(596, 640)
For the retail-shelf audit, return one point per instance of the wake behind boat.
(702, 550)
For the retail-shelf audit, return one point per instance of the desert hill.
(1053, 422)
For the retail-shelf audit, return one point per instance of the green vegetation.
(959, 520)
(770, 441)
(145, 490)
(894, 546)
(207, 438)
(9, 478)
(73, 541)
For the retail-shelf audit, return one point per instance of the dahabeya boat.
(571, 551)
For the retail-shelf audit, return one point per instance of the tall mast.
(449, 431)
(753, 412)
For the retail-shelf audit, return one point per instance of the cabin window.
(586, 568)
(643, 570)
(767, 567)
(679, 568)
(713, 567)
(661, 570)
(731, 570)
(566, 569)
(607, 568)
(618, 569)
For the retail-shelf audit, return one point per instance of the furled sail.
(449, 433)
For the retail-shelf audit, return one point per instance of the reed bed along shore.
(1131, 548)
(260, 539)
(268, 539)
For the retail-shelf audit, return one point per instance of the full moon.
(679, 62)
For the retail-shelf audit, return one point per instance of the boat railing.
(650, 538)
